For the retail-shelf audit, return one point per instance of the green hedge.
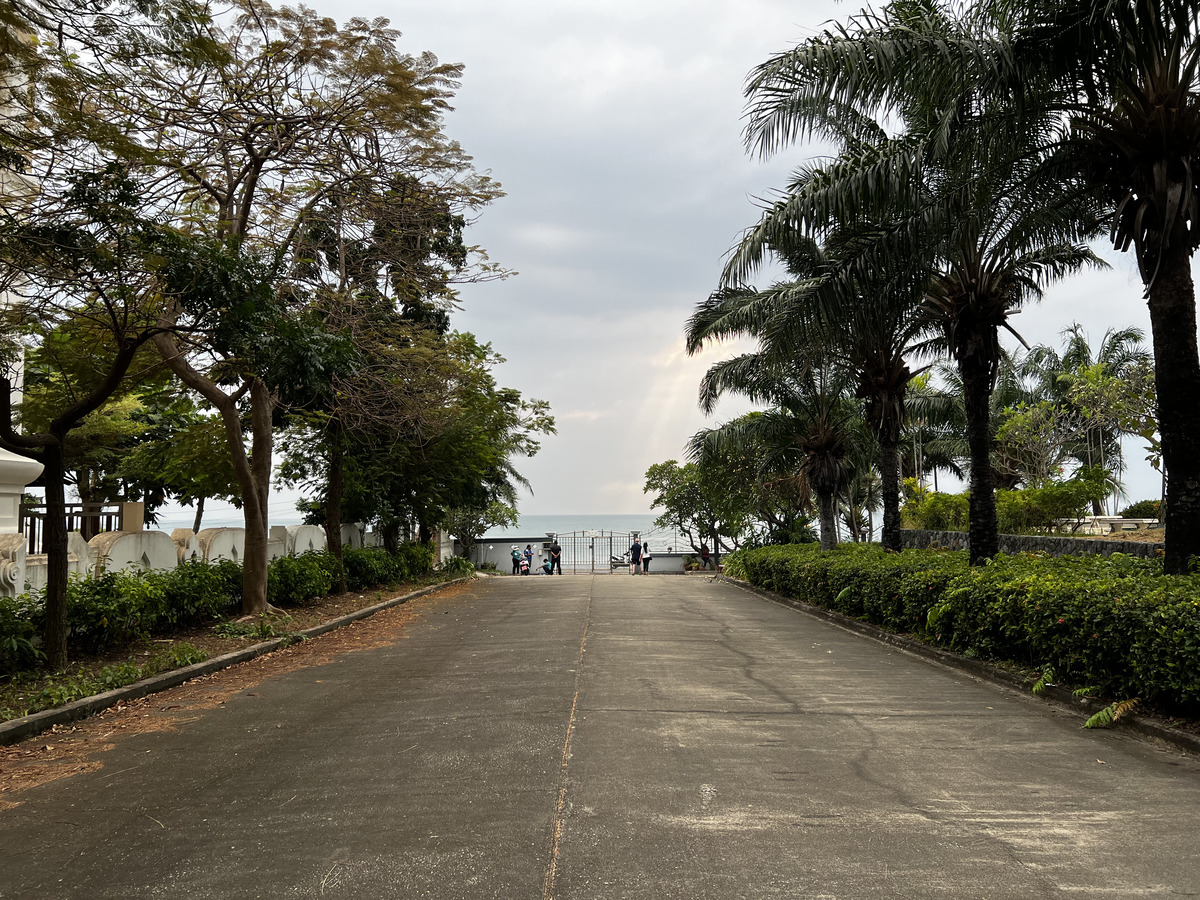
(370, 566)
(1143, 509)
(121, 607)
(300, 580)
(1113, 623)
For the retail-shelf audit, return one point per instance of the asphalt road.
(596, 738)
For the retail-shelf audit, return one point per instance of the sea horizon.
(539, 525)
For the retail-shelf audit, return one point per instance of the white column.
(15, 473)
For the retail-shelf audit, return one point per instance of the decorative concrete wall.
(12, 564)
(187, 547)
(118, 551)
(352, 537)
(305, 539)
(1028, 543)
(222, 543)
(277, 542)
(124, 551)
(80, 562)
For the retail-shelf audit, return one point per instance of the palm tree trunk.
(1172, 302)
(828, 524)
(889, 478)
(984, 530)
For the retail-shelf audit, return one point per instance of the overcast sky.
(615, 129)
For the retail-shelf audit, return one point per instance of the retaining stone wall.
(915, 539)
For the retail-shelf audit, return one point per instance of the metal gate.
(596, 552)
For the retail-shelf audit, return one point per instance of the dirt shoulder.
(90, 674)
(1141, 536)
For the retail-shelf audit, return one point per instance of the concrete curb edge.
(16, 730)
(1132, 724)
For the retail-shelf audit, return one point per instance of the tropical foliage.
(977, 150)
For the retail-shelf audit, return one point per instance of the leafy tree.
(251, 146)
(696, 502)
(1109, 392)
(181, 453)
(381, 262)
(469, 524)
(89, 274)
(460, 454)
(809, 431)
(50, 48)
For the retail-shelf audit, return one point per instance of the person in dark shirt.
(555, 557)
(635, 558)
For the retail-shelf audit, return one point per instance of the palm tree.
(1119, 369)
(808, 431)
(1125, 79)
(960, 192)
(868, 329)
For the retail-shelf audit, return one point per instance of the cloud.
(616, 130)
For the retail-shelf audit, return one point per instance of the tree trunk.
(828, 515)
(390, 535)
(254, 501)
(199, 515)
(1172, 303)
(253, 469)
(889, 477)
(333, 499)
(975, 370)
(54, 540)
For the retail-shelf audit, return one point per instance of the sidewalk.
(615, 737)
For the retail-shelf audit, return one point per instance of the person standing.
(516, 559)
(555, 557)
(635, 557)
(646, 558)
(528, 558)
(705, 557)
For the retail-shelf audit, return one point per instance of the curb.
(1131, 724)
(18, 729)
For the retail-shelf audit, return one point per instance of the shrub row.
(1114, 623)
(120, 607)
(370, 566)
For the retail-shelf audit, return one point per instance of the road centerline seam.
(560, 806)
